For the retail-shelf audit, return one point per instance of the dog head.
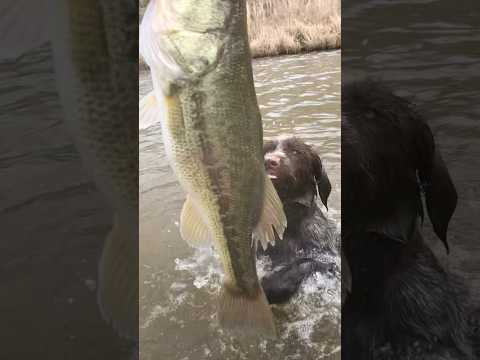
(389, 159)
(296, 171)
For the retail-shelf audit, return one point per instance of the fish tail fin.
(248, 314)
(118, 281)
(272, 218)
(148, 111)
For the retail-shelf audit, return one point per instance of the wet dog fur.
(400, 297)
(299, 177)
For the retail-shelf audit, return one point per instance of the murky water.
(298, 95)
(53, 222)
(429, 51)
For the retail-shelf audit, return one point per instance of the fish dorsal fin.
(272, 218)
(192, 227)
(148, 111)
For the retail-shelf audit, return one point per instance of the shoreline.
(327, 44)
(288, 27)
(142, 66)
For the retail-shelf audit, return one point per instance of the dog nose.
(271, 163)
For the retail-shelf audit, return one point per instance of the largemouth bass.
(95, 60)
(204, 97)
(95, 56)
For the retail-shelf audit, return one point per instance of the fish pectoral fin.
(246, 314)
(192, 228)
(118, 280)
(148, 111)
(272, 218)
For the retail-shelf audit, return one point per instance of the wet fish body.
(94, 44)
(204, 96)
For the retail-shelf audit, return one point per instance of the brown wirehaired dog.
(400, 294)
(298, 175)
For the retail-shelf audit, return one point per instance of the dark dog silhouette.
(298, 176)
(401, 303)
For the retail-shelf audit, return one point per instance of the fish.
(95, 61)
(204, 98)
(94, 46)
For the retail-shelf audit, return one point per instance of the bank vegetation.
(278, 27)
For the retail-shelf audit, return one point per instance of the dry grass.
(292, 26)
(277, 27)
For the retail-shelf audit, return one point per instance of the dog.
(402, 304)
(299, 177)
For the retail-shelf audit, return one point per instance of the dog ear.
(440, 193)
(440, 197)
(322, 180)
(400, 224)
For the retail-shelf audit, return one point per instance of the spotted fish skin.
(94, 44)
(205, 99)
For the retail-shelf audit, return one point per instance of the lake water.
(298, 95)
(54, 223)
(429, 52)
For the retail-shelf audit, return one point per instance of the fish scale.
(213, 134)
(94, 66)
(95, 61)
